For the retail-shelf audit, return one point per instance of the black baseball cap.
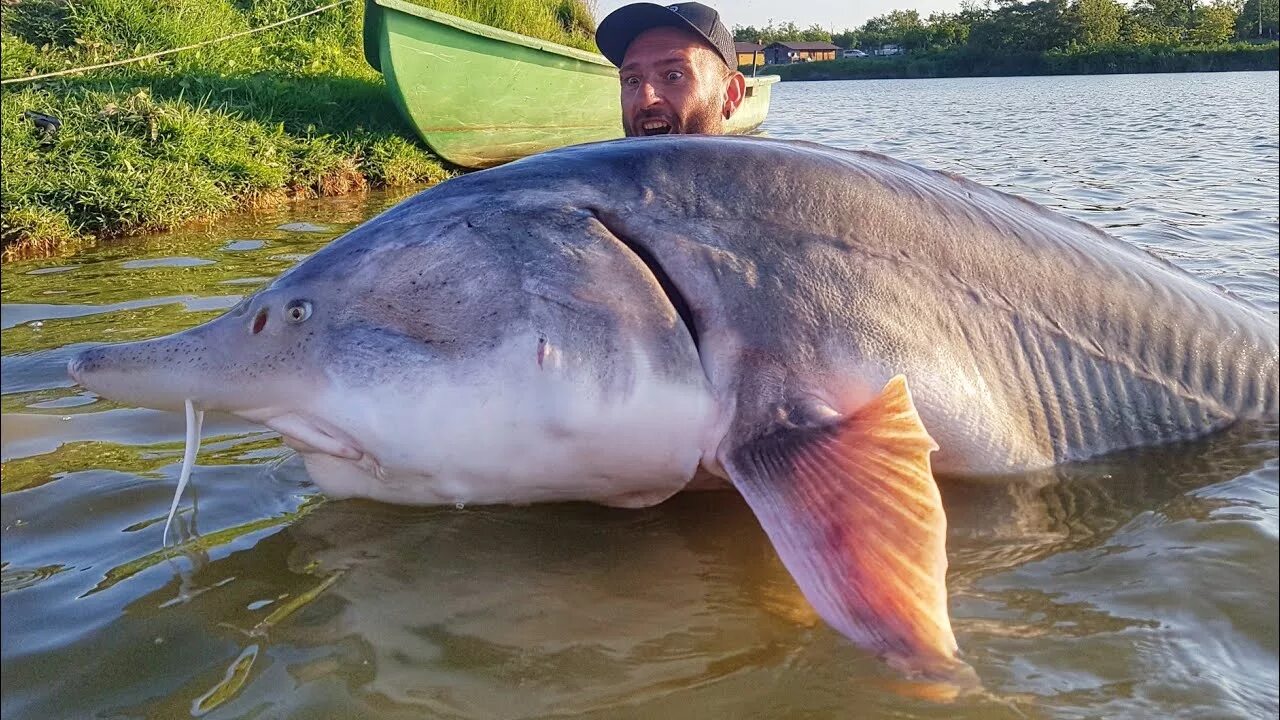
(622, 26)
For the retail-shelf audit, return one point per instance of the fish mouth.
(655, 126)
(308, 434)
(305, 432)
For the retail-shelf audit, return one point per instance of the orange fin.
(853, 511)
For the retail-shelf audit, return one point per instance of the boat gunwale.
(492, 33)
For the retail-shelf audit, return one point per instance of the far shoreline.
(1038, 75)
(949, 65)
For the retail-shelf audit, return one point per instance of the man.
(676, 66)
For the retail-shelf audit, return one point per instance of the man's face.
(673, 83)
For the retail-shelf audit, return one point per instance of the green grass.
(291, 112)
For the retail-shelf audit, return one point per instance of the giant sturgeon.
(616, 322)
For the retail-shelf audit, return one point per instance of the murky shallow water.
(1143, 585)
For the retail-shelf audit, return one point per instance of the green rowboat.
(480, 97)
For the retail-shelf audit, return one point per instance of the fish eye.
(297, 311)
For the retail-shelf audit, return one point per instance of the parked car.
(854, 53)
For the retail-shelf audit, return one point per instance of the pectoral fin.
(853, 511)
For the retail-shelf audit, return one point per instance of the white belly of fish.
(524, 432)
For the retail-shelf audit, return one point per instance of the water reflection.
(370, 609)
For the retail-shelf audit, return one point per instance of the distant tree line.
(1011, 27)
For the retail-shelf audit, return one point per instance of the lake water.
(1143, 585)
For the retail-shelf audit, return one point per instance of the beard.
(704, 118)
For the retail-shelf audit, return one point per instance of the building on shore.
(781, 53)
(749, 53)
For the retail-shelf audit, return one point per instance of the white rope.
(140, 58)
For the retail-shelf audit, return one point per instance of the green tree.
(1141, 27)
(1257, 13)
(781, 32)
(1035, 26)
(1163, 21)
(899, 27)
(1096, 22)
(947, 30)
(1214, 23)
(815, 33)
(846, 38)
(1172, 13)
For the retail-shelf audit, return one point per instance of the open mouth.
(655, 127)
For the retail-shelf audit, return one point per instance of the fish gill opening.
(668, 286)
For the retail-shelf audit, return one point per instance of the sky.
(831, 14)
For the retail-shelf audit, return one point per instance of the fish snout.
(95, 370)
(209, 364)
(82, 363)
(140, 373)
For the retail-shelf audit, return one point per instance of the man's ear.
(734, 93)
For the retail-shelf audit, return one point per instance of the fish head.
(463, 347)
(259, 355)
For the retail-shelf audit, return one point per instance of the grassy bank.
(289, 112)
(967, 63)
